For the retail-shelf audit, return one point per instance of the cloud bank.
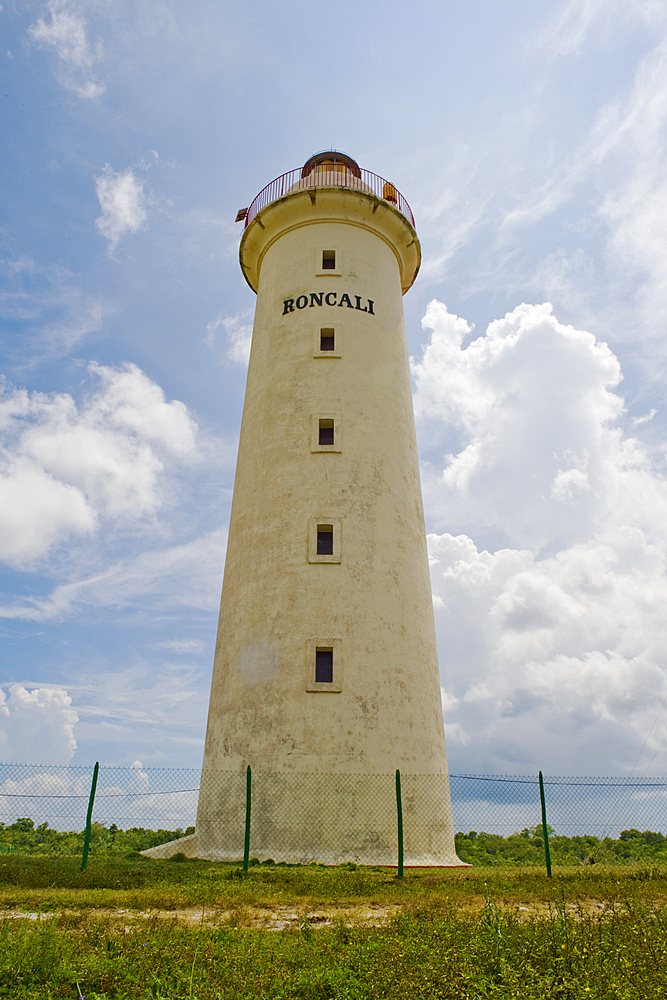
(39, 723)
(550, 582)
(65, 467)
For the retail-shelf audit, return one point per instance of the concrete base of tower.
(328, 819)
(184, 845)
(191, 849)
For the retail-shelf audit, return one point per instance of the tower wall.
(370, 602)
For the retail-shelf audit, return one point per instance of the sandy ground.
(281, 917)
(276, 919)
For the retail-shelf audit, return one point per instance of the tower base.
(329, 819)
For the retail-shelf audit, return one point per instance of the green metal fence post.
(89, 817)
(545, 828)
(399, 814)
(246, 842)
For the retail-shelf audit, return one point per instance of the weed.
(306, 928)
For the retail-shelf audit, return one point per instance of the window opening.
(328, 260)
(326, 432)
(327, 339)
(324, 666)
(325, 539)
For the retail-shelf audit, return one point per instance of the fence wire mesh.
(334, 818)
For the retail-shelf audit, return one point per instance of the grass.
(136, 882)
(589, 932)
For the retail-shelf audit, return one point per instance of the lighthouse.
(325, 678)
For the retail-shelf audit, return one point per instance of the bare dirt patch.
(275, 918)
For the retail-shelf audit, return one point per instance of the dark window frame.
(324, 665)
(326, 436)
(327, 339)
(325, 540)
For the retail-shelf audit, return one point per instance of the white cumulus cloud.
(37, 725)
(532, 401)
(66, 33)
(123, 203)
(64, 465)
(550, 571)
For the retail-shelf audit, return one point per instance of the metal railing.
(340, 176)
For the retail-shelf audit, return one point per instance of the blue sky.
(529, 139)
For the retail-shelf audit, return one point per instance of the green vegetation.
(527, 848)
(23, 837)
(486, 849)
(132, 927)
(493, 954)
(457, 935)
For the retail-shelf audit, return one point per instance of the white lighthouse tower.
(326, 677)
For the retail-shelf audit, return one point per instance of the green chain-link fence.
(332, 818)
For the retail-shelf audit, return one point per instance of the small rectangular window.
(326, 435)
(327, 342)
(324, 666)
(327, 339)
(325, 540)
(328, 262)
